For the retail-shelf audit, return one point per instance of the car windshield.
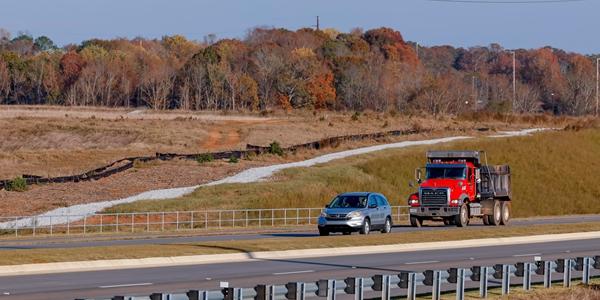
(349, 202)
(433, 173)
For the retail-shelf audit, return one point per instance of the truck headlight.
(354, 214)
(323, 214)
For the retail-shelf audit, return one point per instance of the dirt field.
(55, 141)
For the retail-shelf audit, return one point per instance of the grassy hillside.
(554, 173)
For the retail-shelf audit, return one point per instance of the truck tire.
(505, 212)
(416, 221)
(366, 227)
(323, 232)
(496, 216)
(462, 219)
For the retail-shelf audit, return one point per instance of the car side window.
(381, 201)
(372, 201)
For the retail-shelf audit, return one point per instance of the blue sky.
(573, 26)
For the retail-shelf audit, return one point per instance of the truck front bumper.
(434, 211)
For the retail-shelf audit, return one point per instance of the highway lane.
(247, 274)
(199, 236)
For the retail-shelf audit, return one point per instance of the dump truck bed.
(495, 182)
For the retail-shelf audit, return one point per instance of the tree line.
(304, 69)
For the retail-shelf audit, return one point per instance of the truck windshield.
(349, 202)
(445, 173)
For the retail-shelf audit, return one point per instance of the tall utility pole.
(318, 23)
(597, 83)
(474, 94)
(514, 69)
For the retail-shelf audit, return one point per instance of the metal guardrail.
(147, 222)
(406, 284)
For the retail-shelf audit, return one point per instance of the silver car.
(358, 211)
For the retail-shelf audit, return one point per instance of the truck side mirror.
(418, 175)
(326, 205)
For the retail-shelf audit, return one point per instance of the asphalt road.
(247, 274)
(199, 236)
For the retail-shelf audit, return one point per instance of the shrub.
(233, 160)
(204, 157)
(355, 116)
(18, 184)
(275, 148)
(385, 124)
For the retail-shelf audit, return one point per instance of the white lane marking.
(422, 262)
(124, 285)
(294, 272)
(530, 254)
(6, 294)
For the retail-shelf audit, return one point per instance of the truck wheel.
(462, 219)
(505, 213)
(323, 232)
(416, 221)
(366, 227)
(496, 216)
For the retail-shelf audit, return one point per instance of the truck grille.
(431, 197)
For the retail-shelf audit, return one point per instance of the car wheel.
(323, 232)
(416, 221)
(387, 228)
(462, 219)
(505, 212)
(366, 227)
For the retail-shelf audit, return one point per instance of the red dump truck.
(457, 187)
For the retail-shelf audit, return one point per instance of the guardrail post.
(586, 271)
(34, 224)
(271, 295)
(259, 218)
(162, 221)
(238, 294)
(483, 282)
(68, 224)
(233, 218)
(147, 222)
(411, 293)
(205, 220)
(84, 225)
(132, 222)
(16, 226)
(191, 220)
(117, 227)
(547, 274)
(51, 226)
(101, 224)
(309, 218)
(567, 272)
(219, 219)
(360, 289)
(272, 218)
(460, 284)
(436, 286)
(505, 279)
(246, 219)
(177, 221)
(527, 276)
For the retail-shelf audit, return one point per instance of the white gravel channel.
(78, 212)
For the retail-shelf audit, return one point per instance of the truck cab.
(454, 189)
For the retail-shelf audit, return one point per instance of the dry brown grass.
(15, 257)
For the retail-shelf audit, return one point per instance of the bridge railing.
(149, 222)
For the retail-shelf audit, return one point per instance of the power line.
(507, 1)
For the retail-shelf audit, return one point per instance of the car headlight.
(354, 214)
